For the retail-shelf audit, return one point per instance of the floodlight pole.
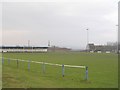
(87, 38)
(117, 39)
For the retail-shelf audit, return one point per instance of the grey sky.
(64, 23)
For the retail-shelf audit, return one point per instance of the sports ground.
(102, 70)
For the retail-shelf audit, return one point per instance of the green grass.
(103, 70)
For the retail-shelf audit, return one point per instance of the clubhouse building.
(102, 48)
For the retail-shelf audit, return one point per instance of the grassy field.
(103, 70)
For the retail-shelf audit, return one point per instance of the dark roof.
(20, 47)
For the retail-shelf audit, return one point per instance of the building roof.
(21, 47)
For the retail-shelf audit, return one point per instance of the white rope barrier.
(73, 66)
(43, 63)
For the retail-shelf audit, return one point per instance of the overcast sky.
(64, 23)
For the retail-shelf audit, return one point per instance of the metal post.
(86, 73)
(63, 69)
(28, 65)
(43, 67)
(17, 64)
(8, 61)
(2, 61)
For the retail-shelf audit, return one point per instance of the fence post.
(28, 65)
(2, 61)
(17, 64)
(8, 61)
(63, 69)
(86, 73)
(43, 67)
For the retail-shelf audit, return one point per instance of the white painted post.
(63, 69)
(86, 73)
